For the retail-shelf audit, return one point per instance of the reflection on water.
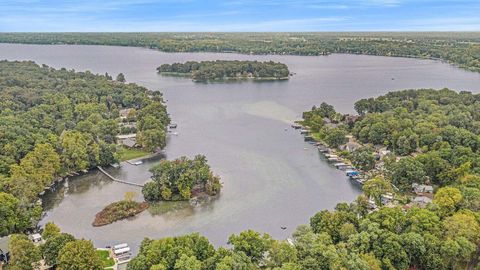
(161, 208)
(271, 177)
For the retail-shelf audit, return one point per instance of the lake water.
(271, 177)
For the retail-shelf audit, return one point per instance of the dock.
(118, 180)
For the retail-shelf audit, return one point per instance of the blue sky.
(238, 15)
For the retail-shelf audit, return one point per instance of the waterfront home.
(350, 146)
(420, 189)
(124, 113)
(4, 250)
(36, 238)
(422, 201)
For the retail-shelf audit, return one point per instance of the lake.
(271, 177)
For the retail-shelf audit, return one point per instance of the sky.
(238, 15)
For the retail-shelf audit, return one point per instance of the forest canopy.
(227, 70)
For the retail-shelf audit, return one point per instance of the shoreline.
(252, 54)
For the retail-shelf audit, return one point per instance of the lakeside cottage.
(128, 140)
(420, 189)
(124, 113)
(422, 201)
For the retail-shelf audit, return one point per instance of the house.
(420, 189)
(382, 151)
(351, 119)
(350, 146)
(129, 142)
(422, 201)
(124, 113)
(4, 250)
(36, 238)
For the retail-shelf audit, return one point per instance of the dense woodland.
(434, 139)
(459, 48)
(181, 179)
(57, 122)
(224, 70)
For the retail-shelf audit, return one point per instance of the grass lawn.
(131, 153)
(104, 257)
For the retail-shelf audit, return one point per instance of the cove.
(271, 177)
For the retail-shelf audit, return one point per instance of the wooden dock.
(118, 180)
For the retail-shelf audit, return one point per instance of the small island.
(119, 210)
(222, 70)
(181, 179)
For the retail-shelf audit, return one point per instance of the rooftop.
(4, 241)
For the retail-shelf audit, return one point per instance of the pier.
(118, 180)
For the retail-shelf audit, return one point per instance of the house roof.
(130, 142)
(422, 199)
(4, 241)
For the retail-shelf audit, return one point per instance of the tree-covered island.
(181, 179)
(227, 70)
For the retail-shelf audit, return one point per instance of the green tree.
(363, 159)
(50, 230)
(405, 172)
(251, 243)
(53, 245)
(376, 187)
(462, 225)
(120, 78)
(336, 137)
(15, 217)
(152, 139)
(78, 255)
(187, 263)
(24, 255)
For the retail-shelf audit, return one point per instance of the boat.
(136, 163)
(309, 139)
(304, 131)
(296, 126)
(173, 125)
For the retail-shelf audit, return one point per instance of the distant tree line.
(223, 69)
(459, 48)
(57, 122)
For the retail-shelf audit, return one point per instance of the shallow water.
(271, 177)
